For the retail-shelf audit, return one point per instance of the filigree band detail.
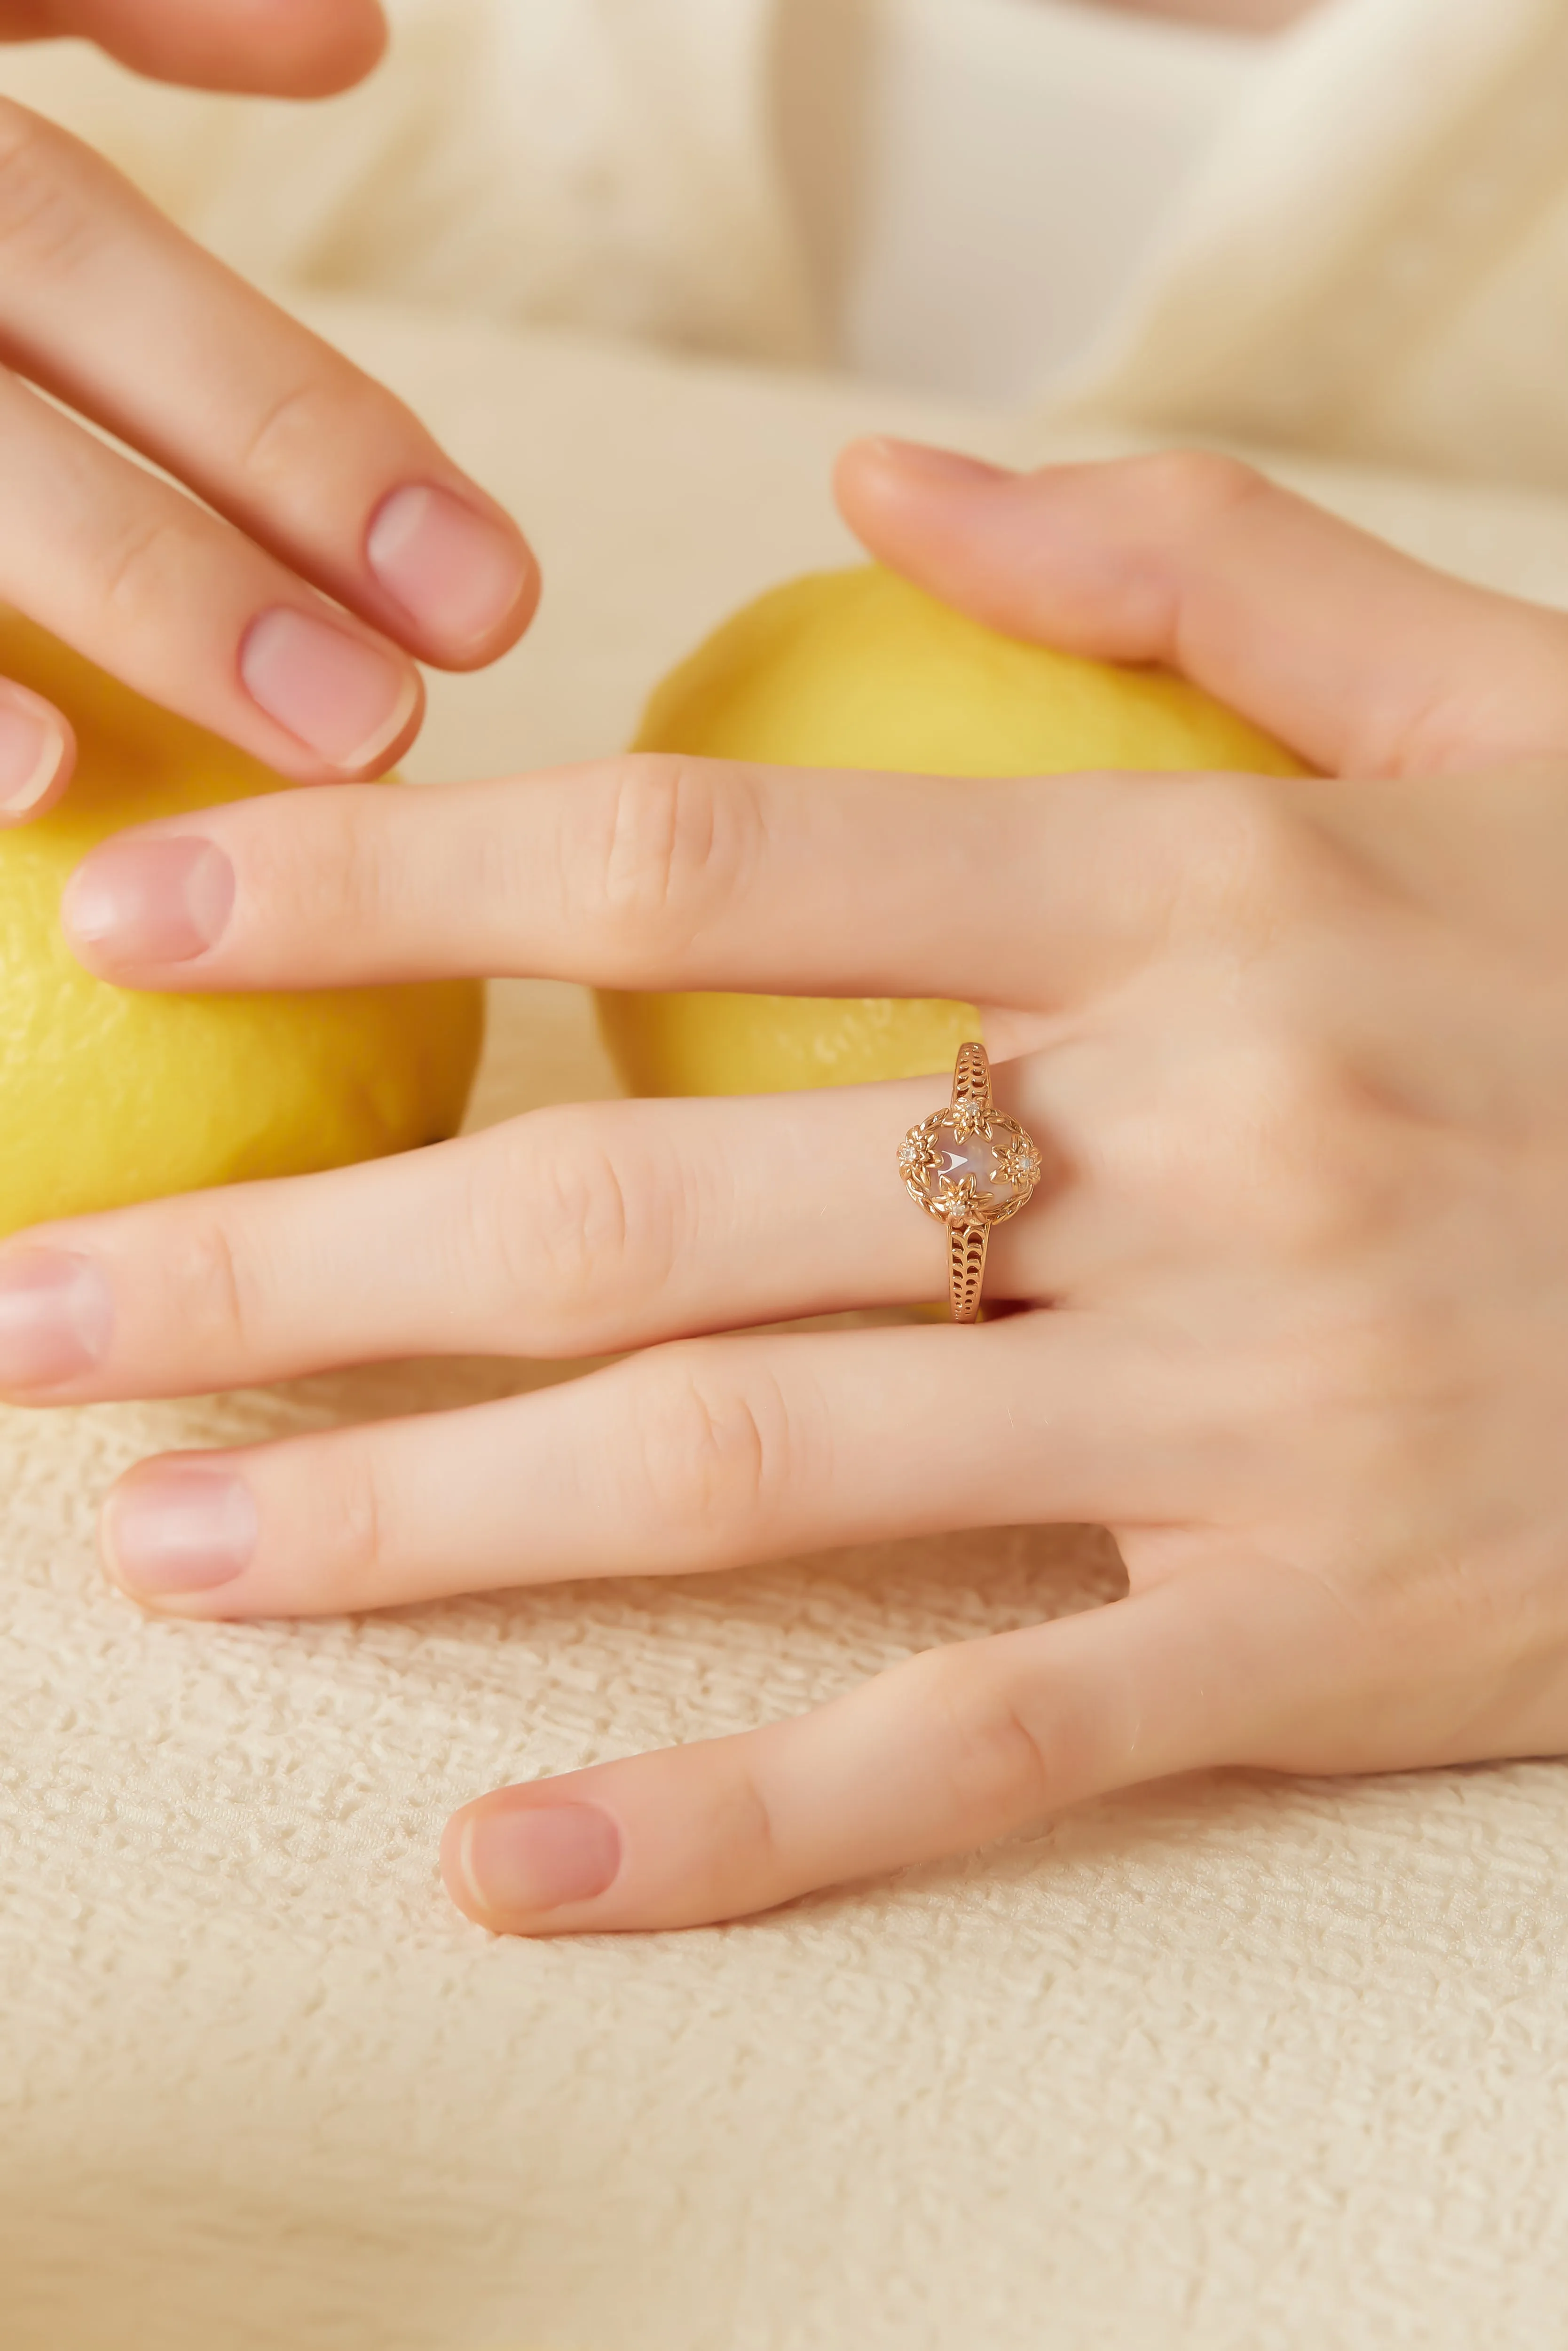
(972, 1076)
(967, 1246)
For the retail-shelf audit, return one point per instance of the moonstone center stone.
(976, 1155)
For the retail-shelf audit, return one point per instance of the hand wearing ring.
(1294, 1319)
(970, 1166)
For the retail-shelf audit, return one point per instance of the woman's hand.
(328, 541)
(1296, 1283)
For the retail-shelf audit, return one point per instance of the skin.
(1290, 1305)
(285, 458)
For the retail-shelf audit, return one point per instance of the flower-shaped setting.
(958, 1198)
(915, 1155)
(972, 1118)
(1020, 1164)
(969, 1164)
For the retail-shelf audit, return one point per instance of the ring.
(970, 1166)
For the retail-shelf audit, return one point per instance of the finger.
(285, 48)
(1364, 660)
(187, 610)
(573, 1231)
(38, 753)
(117, 313)
(700, 1456)
(955, 1748)
(667, 872)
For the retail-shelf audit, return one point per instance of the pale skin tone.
(341, 543)
(1293, 1294)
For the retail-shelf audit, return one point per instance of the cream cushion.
(1227, 2064)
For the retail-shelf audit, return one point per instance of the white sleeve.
(1374, 262)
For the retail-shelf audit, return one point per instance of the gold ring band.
(970, 1166)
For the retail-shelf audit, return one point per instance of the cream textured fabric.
(1226, 2065)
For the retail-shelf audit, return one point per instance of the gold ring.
(970, 1166)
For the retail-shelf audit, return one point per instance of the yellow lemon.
(108, 1097)
(858, 669)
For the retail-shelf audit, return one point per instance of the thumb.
(1363, 660)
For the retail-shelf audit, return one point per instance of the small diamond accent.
(1019, 1165)
(960, 1198)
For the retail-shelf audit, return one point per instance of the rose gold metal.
(967, 1206)
(967, 1246)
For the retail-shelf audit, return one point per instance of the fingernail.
(172, 1529)
(454, 572)
(516, 1864)
(55, 1318)
(33, 743)
(343, 698)
(937, 465)
(149, 902)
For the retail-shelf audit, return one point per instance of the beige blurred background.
(1348, 233)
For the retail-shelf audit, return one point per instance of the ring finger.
(572, 1231)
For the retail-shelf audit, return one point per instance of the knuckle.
(148, 563)
(674, 839)
(1247, 863)
(583, 1219)
(998, 1771)
(48, 214)
(718, 1452)
(350, 1516)
(1264, 1124)
(1006, 1762)
(1278, 1139)
(296, 422)
(1324, 1177)
(211, 1291)
(1384, 1376)
(582, 1232)
(1182, 489)
(742, 1861)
